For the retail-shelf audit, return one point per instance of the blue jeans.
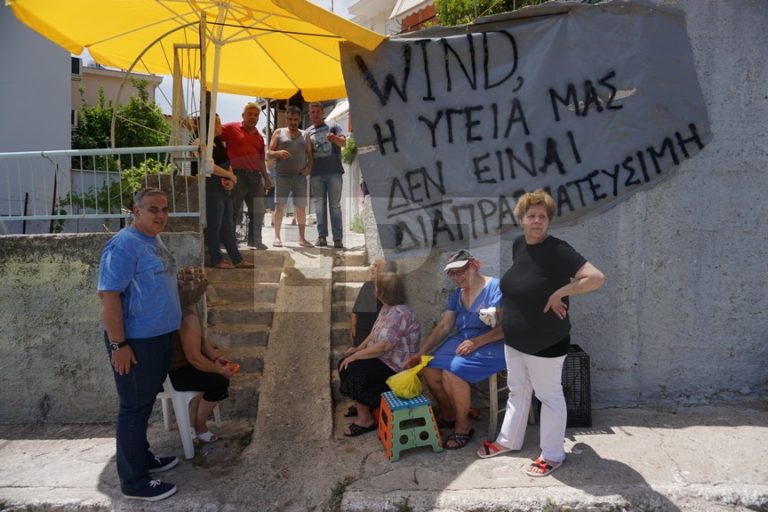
(220, 229)
(137, 391)
(326, 191)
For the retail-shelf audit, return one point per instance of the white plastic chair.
(180, 401)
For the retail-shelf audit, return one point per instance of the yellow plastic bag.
(406, 384)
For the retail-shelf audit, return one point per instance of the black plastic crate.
(577, 387)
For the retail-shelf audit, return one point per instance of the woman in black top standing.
(545, 271)
(218, 205)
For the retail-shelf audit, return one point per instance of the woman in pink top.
(392, 341)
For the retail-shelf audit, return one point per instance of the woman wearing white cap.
(473, 349)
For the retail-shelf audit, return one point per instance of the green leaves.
(349, 152)
(462, 12)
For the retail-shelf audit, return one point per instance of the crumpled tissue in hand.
(488, 317)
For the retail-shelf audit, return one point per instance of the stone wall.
(52, 355)
(682, 317)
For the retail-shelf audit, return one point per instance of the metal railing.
(90, 186)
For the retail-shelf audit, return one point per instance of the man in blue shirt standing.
(326, 177)
(140, 310)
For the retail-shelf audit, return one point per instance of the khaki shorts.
(294, 185)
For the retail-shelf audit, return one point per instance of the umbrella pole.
(215, 82)
(206, 148)
(215, 85)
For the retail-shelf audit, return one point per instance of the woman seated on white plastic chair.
(195, 364)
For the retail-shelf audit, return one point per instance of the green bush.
(349, 152)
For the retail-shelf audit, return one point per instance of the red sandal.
(541, 467)
(490, 449)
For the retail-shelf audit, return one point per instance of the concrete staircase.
(350, 271)
(241, 305)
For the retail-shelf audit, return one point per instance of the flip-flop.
(305, 243)
(541, 467)
(458, 440)
(277, 243)
(358, 430)
(490, 449)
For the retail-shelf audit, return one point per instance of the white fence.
(79, 190)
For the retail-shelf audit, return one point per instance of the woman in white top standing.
(292, 151)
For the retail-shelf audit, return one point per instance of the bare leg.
(194, 407)
(434, 379)
(204, 411)
(300, 214)
(364, 418)
(277, 219)
(364, 415)
(459, 394)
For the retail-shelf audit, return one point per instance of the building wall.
(34, 89)
(682, 316)
(93, 78)
(52, 356)
(373, 14)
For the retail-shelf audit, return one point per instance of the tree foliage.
(139, 123)
(462, 12)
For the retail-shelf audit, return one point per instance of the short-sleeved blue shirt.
(144, 272)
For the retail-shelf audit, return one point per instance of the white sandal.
(207, 437)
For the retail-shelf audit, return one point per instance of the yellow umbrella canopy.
(269, 48)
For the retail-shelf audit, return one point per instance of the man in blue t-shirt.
(326, 181)
(140, 310)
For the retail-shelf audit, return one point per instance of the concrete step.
(243, 291)
(340, 311)
(250, 359)
(219, 278)
(345, 292)
(351, 273)
(243, 400)
(340, 335)
(241, 313)
(355, 258)
(239, 335)
(262, 258)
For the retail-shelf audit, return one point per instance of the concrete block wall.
(52, 356)
(682, 317)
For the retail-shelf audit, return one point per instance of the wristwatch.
(117, 345)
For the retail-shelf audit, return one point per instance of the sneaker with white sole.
(155, 490)
(160, 464)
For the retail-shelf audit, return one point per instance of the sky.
(230, 106)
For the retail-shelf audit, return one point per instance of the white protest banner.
(590, 102)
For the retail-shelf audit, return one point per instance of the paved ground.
(706, 458)
(294, 458)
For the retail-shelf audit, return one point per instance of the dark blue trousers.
(220, 228)
(137, 391)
